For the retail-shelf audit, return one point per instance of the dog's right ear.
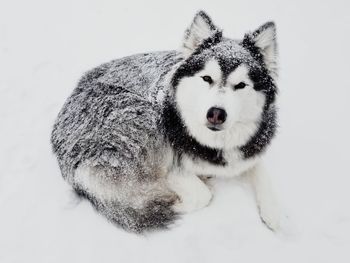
(262, 43)
(202, 32)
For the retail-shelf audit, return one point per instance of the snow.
(46, 46)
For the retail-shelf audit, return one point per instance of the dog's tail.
(135, 206)
(156, 213)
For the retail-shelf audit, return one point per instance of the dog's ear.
(201, 32)
(262, 44)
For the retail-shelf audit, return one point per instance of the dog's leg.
(268, 206)
(193, 192)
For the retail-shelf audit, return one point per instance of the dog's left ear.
(202, 32)
(262, 44)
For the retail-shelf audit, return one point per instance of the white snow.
(45, 46)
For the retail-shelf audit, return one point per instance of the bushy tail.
(156, 213)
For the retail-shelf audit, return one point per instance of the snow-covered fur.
(138, 133)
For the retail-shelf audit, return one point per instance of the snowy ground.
(44, 48)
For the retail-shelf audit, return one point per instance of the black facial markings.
(258, 143)
(227, 66)
(190, 67)
(182, 142)
(265, 133)
(264, 82)
(195, 62)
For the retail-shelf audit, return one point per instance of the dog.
(138, 134)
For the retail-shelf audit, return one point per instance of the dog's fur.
(134, 136)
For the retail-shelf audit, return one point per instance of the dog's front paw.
(272, 216)
(193, 193)
(190, 202)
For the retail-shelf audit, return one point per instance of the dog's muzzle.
(216, 117)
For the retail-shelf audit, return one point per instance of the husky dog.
(138, 133)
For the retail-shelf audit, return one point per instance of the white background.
(45, 46)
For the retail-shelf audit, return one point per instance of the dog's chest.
(235, 165)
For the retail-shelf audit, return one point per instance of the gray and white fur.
(138, 133)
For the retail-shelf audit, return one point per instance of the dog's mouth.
(214, 128)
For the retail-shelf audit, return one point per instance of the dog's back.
(112, 113)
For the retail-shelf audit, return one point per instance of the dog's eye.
(240, 85)
(207, 79)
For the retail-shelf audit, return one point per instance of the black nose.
(216, 116)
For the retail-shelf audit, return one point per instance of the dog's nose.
(216, 116)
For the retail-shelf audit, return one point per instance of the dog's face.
(223, 85)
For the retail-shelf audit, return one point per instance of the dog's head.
(223, 86)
